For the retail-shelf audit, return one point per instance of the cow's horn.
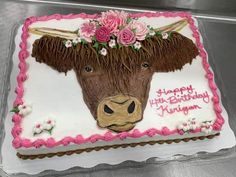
(54, 32)
(176, 26)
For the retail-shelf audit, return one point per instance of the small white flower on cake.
(68, 43)
(164, 35)
(188, 125)
(206, 127)
(25, 109)
(38, 128)
(137, 45)
(206, 124)
(183, 126)
(49, 124)
(193, 124)
(112, 43)
(103, 52)
(152, 33)
(76, 40)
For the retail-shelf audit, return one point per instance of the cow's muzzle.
(119, 113)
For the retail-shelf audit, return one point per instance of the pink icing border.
(19, 142)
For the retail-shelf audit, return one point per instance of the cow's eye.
(145, 65)
(88, 69)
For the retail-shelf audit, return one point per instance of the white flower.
(103, 52)
(193, 124)
(152, 33)
(38, 128)
(137, 45)
(68, 43)
(206, 124)
(76, 40)
(112, 43)
(49, 124)
(183, 126)
(207, 127)
(188, 125)
(186, 128)
(25, 109)
(164, 35)
(207, 130)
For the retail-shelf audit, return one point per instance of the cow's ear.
(173, 52)
(52, 51)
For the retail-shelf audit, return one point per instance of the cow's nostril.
(131, 107)
(108, 110)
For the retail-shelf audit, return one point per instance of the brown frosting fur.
(120, 71)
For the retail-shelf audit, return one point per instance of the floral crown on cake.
(111, 29)
(114, 29)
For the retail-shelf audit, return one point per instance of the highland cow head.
(116, 86)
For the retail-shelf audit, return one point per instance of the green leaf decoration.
(134, 30)
(148, 36)
(83, 41)
(151, 28)
(50, 131)
(94, 38)
(207, 121)
(121, 27)
(128, 20)
(132, 46)
(15, 109)
(104, 44)
(37, 133)
(119, 45)
(74, 44)
(113, 36)
(158, 33)
(96, 45)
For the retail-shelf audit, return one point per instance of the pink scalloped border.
(19, 142)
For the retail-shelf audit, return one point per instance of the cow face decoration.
(116, 86)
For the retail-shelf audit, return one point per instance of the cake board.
(12, 164)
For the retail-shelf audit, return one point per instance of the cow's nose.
(119, 112)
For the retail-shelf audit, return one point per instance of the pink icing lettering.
(185, 109)
(157, 101)
(181, 90)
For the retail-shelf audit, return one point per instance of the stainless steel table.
(218, 26)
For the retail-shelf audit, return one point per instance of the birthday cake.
(111, 80)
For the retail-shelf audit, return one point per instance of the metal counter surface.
(219, 37)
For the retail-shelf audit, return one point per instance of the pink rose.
(102, 34)
(140, 29)
(126, 37)
(87, 31)
(113, 19)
